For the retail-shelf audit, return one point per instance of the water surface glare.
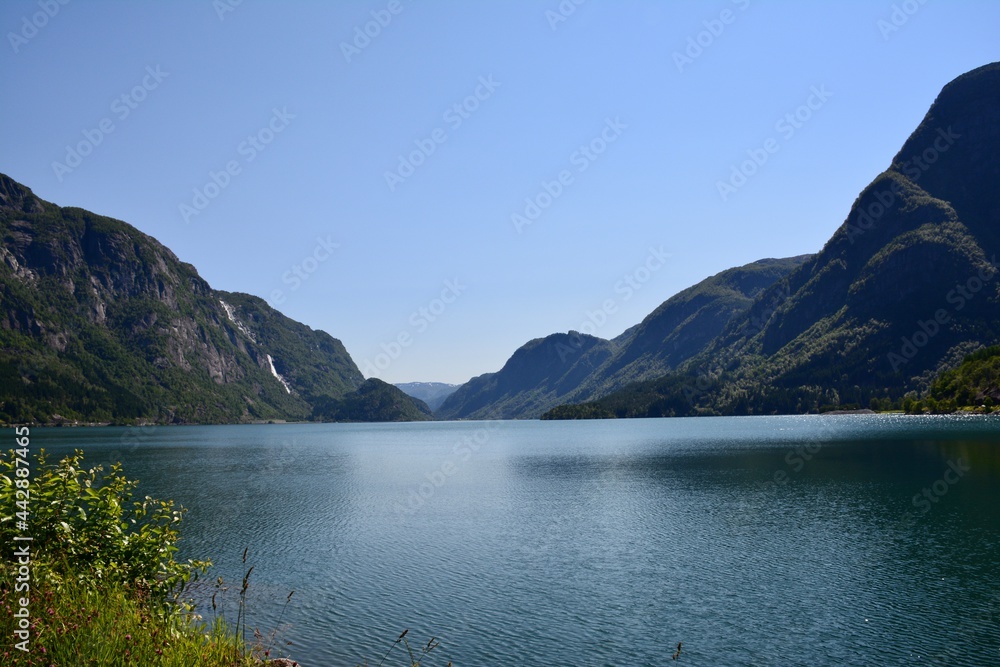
(837, 540)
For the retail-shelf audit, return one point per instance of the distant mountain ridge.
(576, 367)
(102, 323)
(903, 290)
(431, 393)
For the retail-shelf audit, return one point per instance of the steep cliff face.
(103, 323)
(953, 154)
(909, 282)
(905, 288)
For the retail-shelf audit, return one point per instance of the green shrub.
(86, 524)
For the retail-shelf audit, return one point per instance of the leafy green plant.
(106, 588)
(86, 523)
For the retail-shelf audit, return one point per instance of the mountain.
(684, 325)
(103, 323)
(540, 374)
(431, 393)
(903, 290)
(975, 382)
(576, 367)
(374, 401)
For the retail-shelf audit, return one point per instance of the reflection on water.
(841, 540)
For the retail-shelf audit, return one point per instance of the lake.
(808, 540)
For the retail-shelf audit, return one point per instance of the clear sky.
(259, 136)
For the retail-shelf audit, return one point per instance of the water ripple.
(569, 544)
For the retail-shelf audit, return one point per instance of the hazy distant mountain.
(103, 323)
(575, 367)
(904, 289)
(431, 393)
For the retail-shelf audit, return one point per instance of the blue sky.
(468, 176)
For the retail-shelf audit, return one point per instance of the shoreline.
(278, 422)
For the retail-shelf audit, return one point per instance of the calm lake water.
(754, 541)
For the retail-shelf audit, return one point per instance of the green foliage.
(105, 587)
(579, 411)
(86, 525)
(673, 395)
(374, 401)
(975, 383)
